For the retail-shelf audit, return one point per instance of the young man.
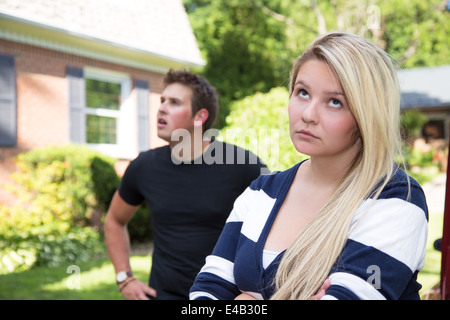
(190, 187)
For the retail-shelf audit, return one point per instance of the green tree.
(260, 123)
(250, 45)
(416, 32)
(243, 46)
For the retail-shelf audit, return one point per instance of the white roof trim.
(13, 36)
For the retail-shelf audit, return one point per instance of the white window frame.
(126, 145)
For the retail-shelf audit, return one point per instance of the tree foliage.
(260, 123)
(242, 46)
(250, 45)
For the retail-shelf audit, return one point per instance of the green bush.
(59, 190)
(260, 123)
(77, 179)
(139, 227)
(419, 158)
(412, 122)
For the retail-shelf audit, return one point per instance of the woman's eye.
(303, 93)
(335, 103)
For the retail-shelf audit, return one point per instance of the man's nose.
(163, 107)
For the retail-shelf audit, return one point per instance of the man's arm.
(118, 245)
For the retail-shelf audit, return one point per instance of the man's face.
(175, 111)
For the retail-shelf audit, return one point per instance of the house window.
(103, 101)
(104, 115)
(108, 113)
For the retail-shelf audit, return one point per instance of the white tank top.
(268, 257)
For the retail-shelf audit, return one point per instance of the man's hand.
(137, 290)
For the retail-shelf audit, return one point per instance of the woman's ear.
(201, 116)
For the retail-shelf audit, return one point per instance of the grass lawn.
(96, 281)
(429, 276)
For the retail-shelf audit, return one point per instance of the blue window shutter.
(77, 128)
(142, 95)
(8, 102)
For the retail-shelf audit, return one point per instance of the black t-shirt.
(189, 203)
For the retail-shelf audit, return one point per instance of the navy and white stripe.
(388, 239)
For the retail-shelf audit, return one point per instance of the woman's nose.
(309, 114)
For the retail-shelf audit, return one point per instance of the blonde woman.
(349, 213)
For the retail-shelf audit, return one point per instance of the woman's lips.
(305, 134)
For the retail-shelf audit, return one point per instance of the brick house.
(87, 72)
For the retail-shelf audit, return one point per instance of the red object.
(445, 263)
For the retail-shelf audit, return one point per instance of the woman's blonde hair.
(368, 78)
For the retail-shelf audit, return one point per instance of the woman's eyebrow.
(301, 82)
(334, 93)
(329, 93)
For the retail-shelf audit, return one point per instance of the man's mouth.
(162, 122)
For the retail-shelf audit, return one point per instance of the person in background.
(190, 186)
(348, 214)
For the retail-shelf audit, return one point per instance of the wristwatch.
(123, 275)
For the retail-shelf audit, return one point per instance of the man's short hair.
(204, 95)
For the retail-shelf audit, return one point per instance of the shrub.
(139, 227)
(59, 191)
(418, 158)
(412, 122)
(77, 179)
(262, 122)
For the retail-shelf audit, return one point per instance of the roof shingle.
(158, 27)
(425, 87)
